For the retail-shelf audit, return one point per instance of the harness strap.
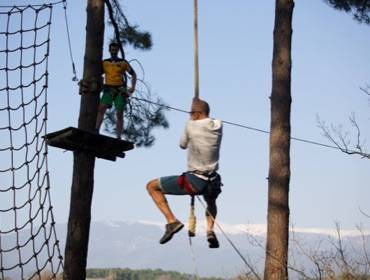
(207, 176)
(185, 184)
(117, 90)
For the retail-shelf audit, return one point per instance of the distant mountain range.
(135, 245)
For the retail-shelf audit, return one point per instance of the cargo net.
(29, 248)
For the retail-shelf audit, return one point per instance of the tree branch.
(341, 139)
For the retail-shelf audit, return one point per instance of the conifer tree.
(360, 9)
(276, 261)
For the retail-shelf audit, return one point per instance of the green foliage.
(138, 39)
(359, 8)
(144, 274)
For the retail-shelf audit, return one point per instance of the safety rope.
(239, 125)
(74, 78)
(29, 248)
(196, 274)
(250, 267)
(191, 233)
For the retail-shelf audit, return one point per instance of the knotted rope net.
(29, 248)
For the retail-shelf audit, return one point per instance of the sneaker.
(171, 229)
(212, 240)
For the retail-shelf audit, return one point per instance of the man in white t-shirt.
(202, 137)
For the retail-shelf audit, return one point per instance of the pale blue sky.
(330, 62)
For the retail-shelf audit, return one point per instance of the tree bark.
(279, 171)
(83, 164)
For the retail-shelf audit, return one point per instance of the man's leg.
(211, 214)
(173, 225)
(119, 125)
(160, 200)
(99, 119)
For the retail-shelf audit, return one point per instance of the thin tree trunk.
(83, 165)
(279, 171)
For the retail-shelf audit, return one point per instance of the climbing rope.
(191, 233)
(192, 218)
(196, 274)
(243, 126)
(196, 51)
(74, 78)
(29, 248)
(250, 267)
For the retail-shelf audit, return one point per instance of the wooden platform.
(78, 140)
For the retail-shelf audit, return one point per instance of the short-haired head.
(200, 105)
(113, 44)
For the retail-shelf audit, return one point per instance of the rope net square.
(29, 248)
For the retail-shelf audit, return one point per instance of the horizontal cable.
(242, 126)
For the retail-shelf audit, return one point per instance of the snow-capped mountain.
(135, 245)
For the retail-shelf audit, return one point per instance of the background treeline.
(144, 274)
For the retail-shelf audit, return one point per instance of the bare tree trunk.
(83, 164)
(279, 171)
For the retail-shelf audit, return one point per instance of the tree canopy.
(360, 9)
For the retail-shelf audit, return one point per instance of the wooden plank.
(79, 140)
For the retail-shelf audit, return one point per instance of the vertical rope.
(74, 78)
(11, 143)
(191, 233)
(196, 56)
(192, 219)
(52, 235)
(230, 241)
(194, 259)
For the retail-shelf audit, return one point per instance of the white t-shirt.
(202, 138)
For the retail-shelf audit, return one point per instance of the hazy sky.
(330, 62)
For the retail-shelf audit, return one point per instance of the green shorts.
(116, 95)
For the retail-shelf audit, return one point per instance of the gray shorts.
(170, 185)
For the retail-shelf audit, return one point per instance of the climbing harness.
(183, 182)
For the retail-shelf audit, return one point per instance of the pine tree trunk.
(279, 171)
(83, 165)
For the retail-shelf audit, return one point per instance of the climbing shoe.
(212, 240)
(171, 229)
